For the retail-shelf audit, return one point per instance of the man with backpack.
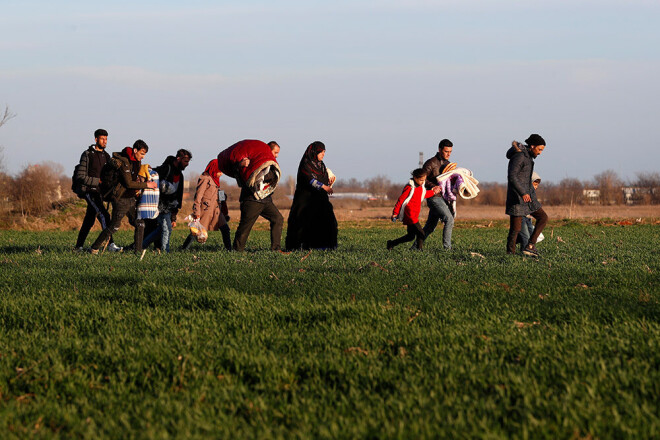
(120, 185)
(85, 183)
(171, 198)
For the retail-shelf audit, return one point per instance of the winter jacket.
(206, 206)
(171, 181)
(88, 171)
(519, 178)
(129, 170)
(434, 167)
(411, 204)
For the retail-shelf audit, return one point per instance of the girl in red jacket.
(408, 206)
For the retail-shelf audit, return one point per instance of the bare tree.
(609, 184)
(5, 118)
(651, 183)
(37, 187)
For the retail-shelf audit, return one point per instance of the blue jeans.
(439, 210)
(526, 230)
(164, 228)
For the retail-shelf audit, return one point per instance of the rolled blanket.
(468, 189)
(147, 206)
(262, 163)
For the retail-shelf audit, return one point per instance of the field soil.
(70, 216)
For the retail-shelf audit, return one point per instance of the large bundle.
(468, 188)
(262, 162)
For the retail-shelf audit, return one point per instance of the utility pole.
(421, 159)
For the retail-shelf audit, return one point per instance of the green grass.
(359, 342)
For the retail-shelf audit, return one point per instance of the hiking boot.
(94, 251)
(390, 246)
(77, 250)
(114, 248)
(530, 251)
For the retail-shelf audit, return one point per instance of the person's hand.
(327, 189)
(173, 224)
(151, 184)
(437, 189)
(394, 217)
(526, 198)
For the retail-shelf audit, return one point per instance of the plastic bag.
(197, 230)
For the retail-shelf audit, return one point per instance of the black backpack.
(76, 186)
(109, 179)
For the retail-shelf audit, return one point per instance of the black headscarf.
(312, 168)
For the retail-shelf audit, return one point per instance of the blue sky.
(377, 81)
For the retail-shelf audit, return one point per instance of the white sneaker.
(114, 248)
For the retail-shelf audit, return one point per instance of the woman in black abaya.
(312, 222)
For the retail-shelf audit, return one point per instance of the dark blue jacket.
(519, 178)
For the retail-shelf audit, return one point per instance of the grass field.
(359, 342)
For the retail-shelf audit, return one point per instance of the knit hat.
(536, 177)
(535, 139)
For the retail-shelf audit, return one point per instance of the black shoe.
(530, 251)
(390, 246)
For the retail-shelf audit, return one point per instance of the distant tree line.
(40, 188)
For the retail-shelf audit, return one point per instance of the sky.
(377, 81)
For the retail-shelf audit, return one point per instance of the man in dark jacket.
(439, 210)
(520, 195)
(252, 208)
(124, 194)
(171, 198)
(86, 186)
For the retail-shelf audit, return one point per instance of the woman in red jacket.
(408, 206)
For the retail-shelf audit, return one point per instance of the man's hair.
(419, 172)
(100, 132)
(445, 143)
(273, 144)
(183, 152)
(140, 145)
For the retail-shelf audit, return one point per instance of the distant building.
(592, 196)
(632, 194)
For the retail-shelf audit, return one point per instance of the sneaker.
(114, 248)
(530, 251)
(390, 246)
(94, 251)
(77, 250)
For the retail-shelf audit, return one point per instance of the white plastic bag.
(196, 229)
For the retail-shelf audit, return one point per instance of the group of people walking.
(439, 182)
(152, 198)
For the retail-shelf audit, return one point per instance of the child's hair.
(417, 173)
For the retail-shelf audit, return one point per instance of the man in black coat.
(521, 198)
(87, 178)
(170, 174)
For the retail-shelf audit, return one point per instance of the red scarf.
(129, 153)
(212, 170)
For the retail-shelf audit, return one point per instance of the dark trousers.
(250, 212)
(95, 210)
(123, 208)
(515, 224)
(226, 238)
(414, 231)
